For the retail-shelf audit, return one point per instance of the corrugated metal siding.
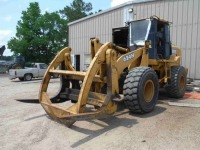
(99, 26)
(185, 29)
(185, 18)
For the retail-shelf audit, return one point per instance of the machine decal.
(128, 57)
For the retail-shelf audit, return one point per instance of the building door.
(77, 62)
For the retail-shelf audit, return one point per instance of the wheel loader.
(139, 60)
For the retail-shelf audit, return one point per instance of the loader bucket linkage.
(94, 75)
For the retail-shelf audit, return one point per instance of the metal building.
(185, 28)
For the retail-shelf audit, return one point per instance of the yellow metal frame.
(108, 63)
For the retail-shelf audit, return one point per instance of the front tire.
(177, 85)
(141, 90)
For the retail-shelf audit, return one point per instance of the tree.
(77, 9)
(53, 35)
(6, 58)
(26, 31)
(38, 36)
(91, 13)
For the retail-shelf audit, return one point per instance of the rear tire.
(177, 85)
(141, 90)
(27, 77)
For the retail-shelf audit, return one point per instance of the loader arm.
(138, 57)
(104, 72)
(78, 110)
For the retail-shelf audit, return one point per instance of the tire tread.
(130, 88)
(173, 89)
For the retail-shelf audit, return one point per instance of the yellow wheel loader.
(132, 68)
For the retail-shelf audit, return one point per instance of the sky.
(10, 13)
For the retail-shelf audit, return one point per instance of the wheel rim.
(28, 77)
(148, 90)
(182, 83)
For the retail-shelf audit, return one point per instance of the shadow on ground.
(106, 125)
(117, 120)
(33, 101)
(32, 81)
(35, 117)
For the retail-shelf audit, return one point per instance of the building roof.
(110, 9)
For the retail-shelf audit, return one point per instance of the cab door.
(42, 69)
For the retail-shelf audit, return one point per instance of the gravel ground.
(24, 125)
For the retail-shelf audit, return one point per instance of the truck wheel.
(177, 85)
(21, 78)
(141, 90)
(27, 77)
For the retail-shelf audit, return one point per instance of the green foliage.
(77, 9)
(53, 35)
(91, 13)
(6, 58)
(40, 36)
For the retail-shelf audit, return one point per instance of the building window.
(87, 60)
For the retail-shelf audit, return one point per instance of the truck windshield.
(139, 31)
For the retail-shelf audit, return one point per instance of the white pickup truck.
(37, 70)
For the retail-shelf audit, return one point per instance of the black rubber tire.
(135, 86)
(21, 78)
(177, 85)
(28, 77)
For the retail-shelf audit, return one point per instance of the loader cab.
(159, 35)
(120, 36)
(137, 32)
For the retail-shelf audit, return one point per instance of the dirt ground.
(24, 125)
